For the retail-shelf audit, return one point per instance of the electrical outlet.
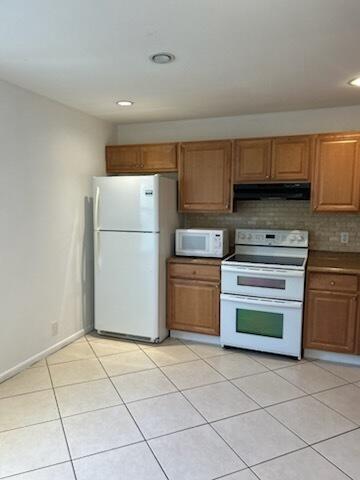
(54, 328)
(344, 237)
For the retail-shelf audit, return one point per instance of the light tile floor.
(109, 409)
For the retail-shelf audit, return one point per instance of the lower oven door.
(259, 282)
(261, 324)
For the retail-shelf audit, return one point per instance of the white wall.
(48, 154)
(283, 123)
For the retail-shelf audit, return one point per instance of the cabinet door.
(121, 159)
(330, 321)
(159, 158)
(141, 158)
(205, 177)
(336, 186)
(193, 306)
(291, 158)
(252, 161)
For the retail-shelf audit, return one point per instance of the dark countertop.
(333, 262)
(196, 260)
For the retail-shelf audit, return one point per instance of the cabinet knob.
(267, 176)
(194, 272)
(332, 283)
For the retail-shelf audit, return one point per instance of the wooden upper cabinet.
(282, 159)
(291, 158)
(121, 159)
(150, 158)
(336, 186)
(205, 177)
(159, 158)
(252, 160)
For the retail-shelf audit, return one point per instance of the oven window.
(254, 322)
(279, 284)
(194, 242)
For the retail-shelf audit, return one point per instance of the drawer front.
(203, 272)
(333, 282)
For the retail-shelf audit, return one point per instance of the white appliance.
(262, 287)
(135, 218)
(202, 242)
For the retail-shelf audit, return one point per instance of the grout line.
(15, 475)
(129, 412)
(61, 421)
(206, 422)
(181, 392)
(301, 439)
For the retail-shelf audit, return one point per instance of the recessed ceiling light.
(162, 58)
(355, 82)
(124, 103)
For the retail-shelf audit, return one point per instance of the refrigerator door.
(127, 283)
(125, 204)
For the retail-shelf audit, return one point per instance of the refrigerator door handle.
(96, 216)
(97, 248)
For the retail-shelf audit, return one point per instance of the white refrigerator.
(135, 218)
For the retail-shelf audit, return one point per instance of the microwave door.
(194, 244)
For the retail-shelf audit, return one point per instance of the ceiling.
(233, 57)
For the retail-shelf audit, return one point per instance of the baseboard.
(195, 337)
(39, 356)
(332, 357)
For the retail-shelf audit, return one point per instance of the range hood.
(261, 191)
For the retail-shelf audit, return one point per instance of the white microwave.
(202, 242)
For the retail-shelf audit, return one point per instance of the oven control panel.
(277, 238)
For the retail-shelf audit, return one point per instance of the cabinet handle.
(194, 272)
(332, 283)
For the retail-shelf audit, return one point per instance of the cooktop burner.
(267, 259)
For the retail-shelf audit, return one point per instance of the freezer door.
(127, 283)
(128, 203)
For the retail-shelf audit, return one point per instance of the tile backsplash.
(324, 228)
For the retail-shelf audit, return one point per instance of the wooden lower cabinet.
(331, 321)
(193, 298)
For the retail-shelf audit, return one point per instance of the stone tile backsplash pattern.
(324, 229)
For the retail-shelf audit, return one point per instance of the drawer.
(202, 272)
(334, 282)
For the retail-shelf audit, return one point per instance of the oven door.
(261, 324)
(263, 282)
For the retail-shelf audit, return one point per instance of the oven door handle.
(260, 301)
(264, 272)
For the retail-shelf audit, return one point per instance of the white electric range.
(262, 291)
